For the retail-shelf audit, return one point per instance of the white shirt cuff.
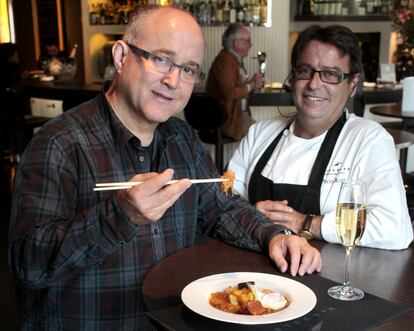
(328, 228)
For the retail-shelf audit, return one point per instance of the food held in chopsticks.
(227, 186)
(247, 299)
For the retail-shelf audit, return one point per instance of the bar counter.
(73, 94)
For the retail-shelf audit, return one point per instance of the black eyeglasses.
(164, 65)
(327, 76)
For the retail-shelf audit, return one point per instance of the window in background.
(7, 34)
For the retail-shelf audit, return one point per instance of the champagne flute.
(351, 214)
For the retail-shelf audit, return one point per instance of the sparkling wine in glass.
(351, 214)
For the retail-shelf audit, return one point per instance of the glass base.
(345, 293)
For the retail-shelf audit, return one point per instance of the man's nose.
(172, 78)
(315, 80)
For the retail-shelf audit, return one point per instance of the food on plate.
(247, 299)
(227, 186)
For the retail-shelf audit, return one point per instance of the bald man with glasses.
(292, 169)
(79, 256)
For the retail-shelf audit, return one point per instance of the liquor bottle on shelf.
(252, 11)
(370, 7)
(72, 54)
(94, 15)
(219, 13)
(384, 7)
(232, 13)
(316, 7)
(201, 13)
(213, 8)
(256, 12)
(226, 12)
(263, 12)
(338, 7)
(208, 12)
(324, 8)
(331, 7)
(353, 7)
(362, 9)
(247, 13)
(240, 11)
(345, 8)
(307, 8)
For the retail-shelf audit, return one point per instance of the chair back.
(358, 105)
(203, 113)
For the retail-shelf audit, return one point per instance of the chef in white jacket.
(292, 169)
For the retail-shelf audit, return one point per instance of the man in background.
(228, 82)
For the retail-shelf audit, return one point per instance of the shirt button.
(123, 242)
(155, 231)
(141, 158)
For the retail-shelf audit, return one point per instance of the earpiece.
(287, 82)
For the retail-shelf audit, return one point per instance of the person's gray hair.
(231, 34)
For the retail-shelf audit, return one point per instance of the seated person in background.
(292, 169)
(12, 101)
(10, 69)
(51, 54)
(80, 257)
(228, 82)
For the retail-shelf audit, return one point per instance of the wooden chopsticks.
(128, 185)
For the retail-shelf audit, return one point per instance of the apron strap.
(322, 159)
(262, 162)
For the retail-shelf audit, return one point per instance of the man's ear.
(355, 82)
(119, 51)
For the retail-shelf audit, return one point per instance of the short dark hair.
(337, 35)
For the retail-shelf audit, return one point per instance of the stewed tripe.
(227, 186)
(246, 299)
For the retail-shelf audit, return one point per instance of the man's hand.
(147, 202)
(281, 213)
(256, 82)
(303, 257)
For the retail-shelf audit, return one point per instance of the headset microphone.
(287, 89)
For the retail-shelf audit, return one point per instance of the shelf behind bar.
(336, 18)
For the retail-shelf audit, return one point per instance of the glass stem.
(347, 267)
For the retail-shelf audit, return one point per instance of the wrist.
(306, 231)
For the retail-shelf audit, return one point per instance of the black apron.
(305, 199)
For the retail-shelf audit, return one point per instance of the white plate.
(196, 297)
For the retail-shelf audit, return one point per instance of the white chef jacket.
(364, 150)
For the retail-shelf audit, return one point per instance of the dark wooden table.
(386, 274)
(375, 95)
(394, 110)
(402, 140)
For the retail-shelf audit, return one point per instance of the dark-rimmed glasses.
(327, 76)
(163, 65)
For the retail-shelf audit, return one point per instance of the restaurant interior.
(86, 30)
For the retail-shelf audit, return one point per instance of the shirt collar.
(238, 57)
(121, 134)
